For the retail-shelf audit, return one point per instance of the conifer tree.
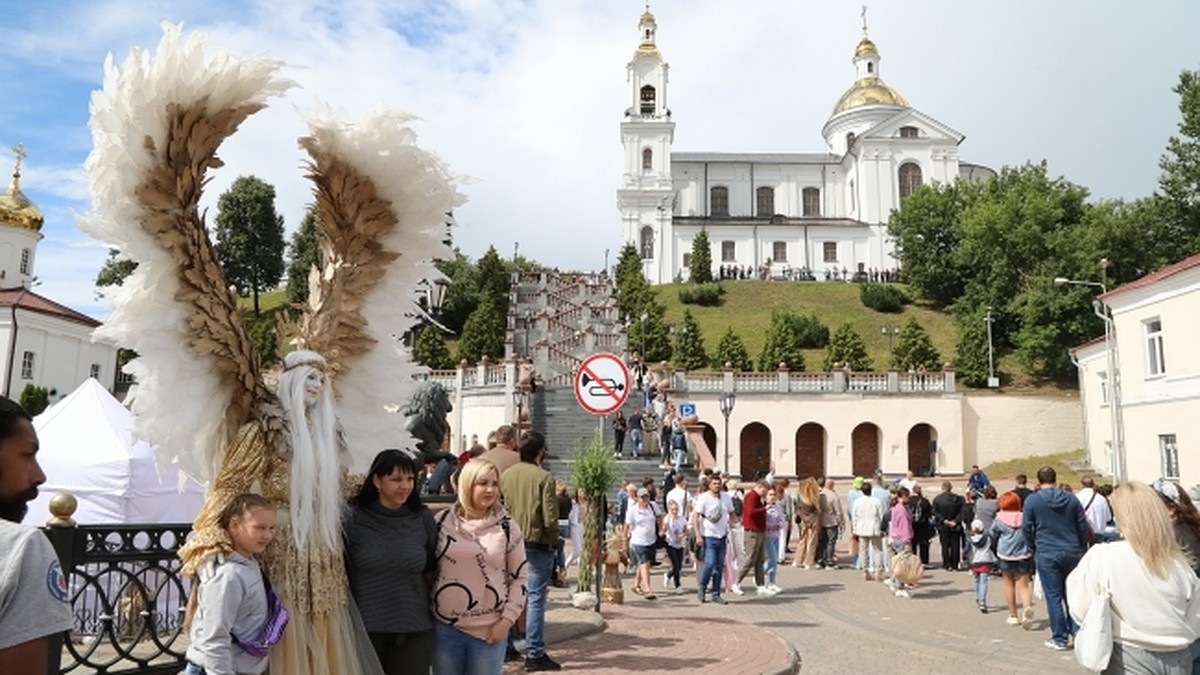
(700, 266)
(914, 349)
(689, 344)
(732, 350)
(430, 348)
(783, 344)
(847, 348)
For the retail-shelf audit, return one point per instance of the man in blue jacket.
(1055, 526)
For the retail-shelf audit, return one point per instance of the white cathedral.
(778, 214)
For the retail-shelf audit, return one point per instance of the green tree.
(732, 350)
(1178, 235)
(914, 349)
(971, 351)
(595, 472)
(431, 350)
(700, 266)
(495, 278)
(633, 291)
(483, 333)
(689, 344)
(462, 295)
(783, 344)
(304, 252)
(263, 333)
(34, 399)
(928, 234)
(846, 347)
(249, 236)
(116, 268)
(648, 334)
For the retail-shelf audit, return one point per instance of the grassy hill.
(748, 305)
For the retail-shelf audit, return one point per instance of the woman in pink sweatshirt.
(481, 576)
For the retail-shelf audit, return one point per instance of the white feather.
(181, 402)
(422, 193)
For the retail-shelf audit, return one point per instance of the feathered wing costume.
(383, 205)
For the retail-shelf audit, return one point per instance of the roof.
(1089, 343)
(1155, 277)
(749, 221)
(757, 157)
(28, 300)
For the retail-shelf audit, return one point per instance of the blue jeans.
(456, 653)
(771, 563)
(981, 587)
(636, 436)
(1052, 570)
(541, 567)
(193, 669)
(714, 565)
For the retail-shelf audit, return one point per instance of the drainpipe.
(12, 344)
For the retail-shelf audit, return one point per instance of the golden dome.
(865, 47)
(16, 209)
(647, 16)
(869, 90)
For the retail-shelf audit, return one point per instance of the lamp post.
(528, 320)
(727, 399)
(642, 330)
(518, 396)
(993, 381)
(891, 332)
(1117, 456)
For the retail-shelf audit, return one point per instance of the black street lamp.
(518, 396)
(528, 320)
(726, 401)
(642, 329)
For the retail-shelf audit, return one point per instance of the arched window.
(647, 243)
(811, 197)
(647, 159)
(719, 201)
(909, 132)
(648, 96)
(850, 140)
(765, 201)
(870, 67)
(25, 255)
(910, 179)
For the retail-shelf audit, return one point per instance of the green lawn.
(748, 305)
(267, 301)
(1007, 470)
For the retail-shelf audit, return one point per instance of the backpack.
(737, 506)
(678, 441)
(272, 629)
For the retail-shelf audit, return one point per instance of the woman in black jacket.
(922, 511)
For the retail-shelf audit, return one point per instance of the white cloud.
(526, 96)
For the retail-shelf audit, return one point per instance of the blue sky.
(525, 97)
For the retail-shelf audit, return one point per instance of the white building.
(823, 211)
(1158, 378)
(44, 343)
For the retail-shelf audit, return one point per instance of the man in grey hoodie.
(1055, 526)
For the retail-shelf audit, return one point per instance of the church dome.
(16, 210)
(869, 90)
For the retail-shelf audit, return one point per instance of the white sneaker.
(763, 590)
(903, 593)
(666, 580)
(678, 590)
(737, 590)
(773, 589)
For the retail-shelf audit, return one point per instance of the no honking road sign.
(602, 383)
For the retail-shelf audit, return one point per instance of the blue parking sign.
(686, 409)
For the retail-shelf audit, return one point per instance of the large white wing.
(156, 125)
(385, 208)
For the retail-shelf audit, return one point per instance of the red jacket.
(754, 512)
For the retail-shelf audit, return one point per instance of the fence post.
(61, 531)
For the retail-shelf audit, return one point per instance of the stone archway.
(709, 434)
(864, 449)
(920, 438)
(755, 451)
(810, 450)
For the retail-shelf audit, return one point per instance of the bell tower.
(647, 132)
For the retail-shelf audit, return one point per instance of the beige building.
(1152, 408)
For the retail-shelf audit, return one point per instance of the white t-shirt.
(682, 499)
(675, 529)
(34, 601)
(1095, 509)
(643, 524)
(714, 513)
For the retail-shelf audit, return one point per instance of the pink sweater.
(480, 580)
(900, 528)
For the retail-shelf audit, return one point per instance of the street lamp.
(518, 396)
(993, 381)
(1117, 457)
(891, 332)
(642, 330)
(528, 320)
(727, 399)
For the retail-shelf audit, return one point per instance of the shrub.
(705, 295)
(882, 297)
(810, 332)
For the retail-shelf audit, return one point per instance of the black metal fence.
(127, 595)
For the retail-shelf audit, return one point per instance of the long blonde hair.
(474, 471)
(1146, 525)
(810, 492)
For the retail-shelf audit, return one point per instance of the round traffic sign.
(602, 383)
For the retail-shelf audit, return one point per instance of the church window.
(27, 359)
(687, 260)
(779, 252)
(25, 255)
(870, 67)
(719, 201)
(910, 179)
(728, 251)
(812, 201)
(647, 159)
(648, 96)
(830, 251)
(94, 371)
(908, 132)
(850, 140)
(765, 198)
(647, 243)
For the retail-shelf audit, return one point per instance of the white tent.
(86, 449)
